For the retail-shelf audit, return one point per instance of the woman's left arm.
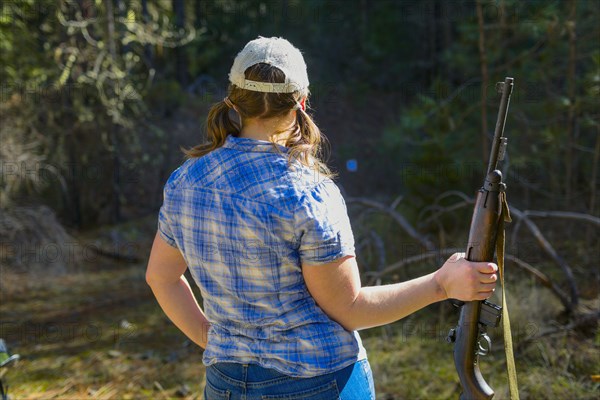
(165, 277)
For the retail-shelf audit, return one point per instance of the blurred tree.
(180, 58)
(88, 55)
(532, 42)
(93, 71)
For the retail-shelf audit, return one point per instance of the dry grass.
(33, 243)
(97, 333)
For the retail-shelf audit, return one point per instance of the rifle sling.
(508, 345)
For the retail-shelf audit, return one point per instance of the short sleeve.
(322, 225)
(165, 227)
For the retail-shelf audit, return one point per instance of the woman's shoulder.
(193, 169)
(312, 185)
(178, 175)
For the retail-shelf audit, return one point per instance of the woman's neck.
(272, 129)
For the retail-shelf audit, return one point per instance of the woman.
(263, 229)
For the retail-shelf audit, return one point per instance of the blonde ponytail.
(305, 141)
(308, 145)
(218, 126)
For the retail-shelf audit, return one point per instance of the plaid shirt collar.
(248, 144)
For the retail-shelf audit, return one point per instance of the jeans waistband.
(247, 375)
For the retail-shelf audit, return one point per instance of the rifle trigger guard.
(451, 338)
(484, 350)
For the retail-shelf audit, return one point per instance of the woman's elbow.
(155, 278)
(350, 326)
(150, 278)
(350, 317)
(346, 319)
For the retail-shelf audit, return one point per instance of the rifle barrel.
(507, 87)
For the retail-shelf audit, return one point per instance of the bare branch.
(450, 193)
(453, 95)
(540, 276)
(580, 321)
(543, 279)
(521, 217)
(399, 218)
(379, 247)
(396, 202)
(80, 23)
(547, 247)
(374, 276)
(563, 214)
(439, 210)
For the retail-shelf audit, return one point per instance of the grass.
(98, 333)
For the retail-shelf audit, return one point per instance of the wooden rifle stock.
(469, 337)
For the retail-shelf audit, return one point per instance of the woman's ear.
(303, 103)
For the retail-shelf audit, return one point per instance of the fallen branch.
(439, 210)
(399, 218)
(564, 214)
(543, 279)
(554, 214)
(547, 247)
(377, 244)
(540, 276)
(374, 276)
(523, 217)
(580, 321)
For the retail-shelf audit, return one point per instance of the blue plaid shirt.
(245, 222)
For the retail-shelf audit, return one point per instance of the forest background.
(98, 96)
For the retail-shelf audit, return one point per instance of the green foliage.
(97, 109)
(79, 74)
(103, 83)
(165, 97)
(443, 126)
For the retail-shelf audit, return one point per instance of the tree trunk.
(595, 166)
(485, 145)
(431, 53)
(121, 30)
(571, 93)
(110, 20)
(502, 11)
(447, 34)
(148, 53)
(73, 179)
(113, 129)
(181, 71)
(198, 14)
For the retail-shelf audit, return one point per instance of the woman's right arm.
(337, 290)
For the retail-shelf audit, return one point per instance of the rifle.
(469, 337)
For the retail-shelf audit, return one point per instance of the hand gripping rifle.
(469, 337)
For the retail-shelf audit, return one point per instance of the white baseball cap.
(277, 52)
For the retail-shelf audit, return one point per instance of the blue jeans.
(232, 381)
